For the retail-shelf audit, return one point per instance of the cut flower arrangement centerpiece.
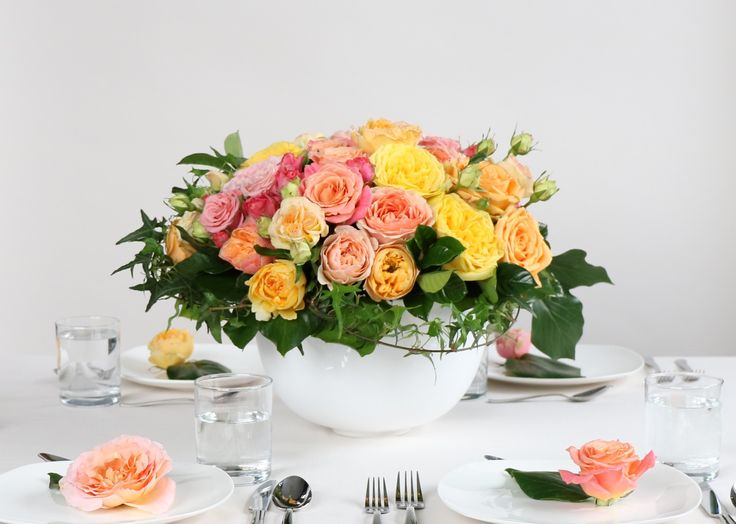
(379, 236)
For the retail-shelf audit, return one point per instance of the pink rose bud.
(515, 343)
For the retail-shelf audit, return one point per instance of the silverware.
(583, 396)
(159, 402)
(682, 365)
(49, 457)
(712, 506)
(374, 502)
(412, 499)
(291, 494)
(492, 457)
(259, 501)
(733, 494)
(652, 364)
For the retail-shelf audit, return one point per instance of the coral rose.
(393, 273)
(338, 190)
(523, 244)
(221, 211)
(515, 343)
(176, 247)
(376, 133)
(448, 152)
(474, 229)
(275, 290)
(261, 205)
(289, 169)
(277, 149)
(334, 149)
(394, 214)
(297, 226)
(128, 471)
(240, 250)
(502, 186)
(409, 167)
(170, 347)
(255, 179)
(346, 256)
(609, 469)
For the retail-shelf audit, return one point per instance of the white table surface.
(33, 420)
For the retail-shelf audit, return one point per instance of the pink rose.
(335, 149)
(261, 205)
(289, 169)
(220, 238)
(240, 250)
(448, 152)
(125, 471)
(255, 179)
(609, 469)
(363, 166)
(346, 256)
(515, 343)
(394, 214)
(221, 211)
(338, 190)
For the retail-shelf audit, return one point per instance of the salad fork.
(652, 364)
(374, 503)
(682, 365)
(412, 499)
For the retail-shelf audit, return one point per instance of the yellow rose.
(275, 149)
(177, 248)
(392, 275)
(409, 167)
(474, 229)
(297, 225)
(502, 185)
(376, 133)
(275, 291)
(523, 243)
(170, 347)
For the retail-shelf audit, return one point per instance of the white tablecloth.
(33, 420)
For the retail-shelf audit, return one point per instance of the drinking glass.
(233, 424)
(480, 381)
(88, 363)
(683, 413)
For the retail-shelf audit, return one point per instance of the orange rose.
(276, 291)
(176, 247)
(393, 273)
(379, 132)
(523, 244)
(240, 248)
(502, 185)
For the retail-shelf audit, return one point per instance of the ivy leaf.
(557, 325)
(547, 485)
(194, 369)
(572, 270)
(513, 280)
(233, 146)
(434, 281)
(419, 305)
(241, 330)
(204, 159)
(534, 366)
(202, 262)
(54, 479)
(151, 228)
(288, 334)
(445, 250)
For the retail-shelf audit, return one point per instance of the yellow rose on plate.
(474, 229)
(523, 243)
(502, 185)
(170, 347)
(409, 167)
(176, 247)
(376, 133)
(275, 291)
(392, 275)
(275, 149)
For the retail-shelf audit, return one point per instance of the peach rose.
(376, 133)
(393, 273)
(240, 251)
(515, 343)
(176, 247)
(338, 190)
(275, 290)
(346, 257)
(448, 152)
(521, 174)
(394, 214)
(128, 471)
(333, 149)
(523, 244)
(609, 469)
(500, 188)
(297, 226)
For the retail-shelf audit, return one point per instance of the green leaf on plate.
(54, 479)
(572, 270)
(547, 485)
(557, 325)
(533, 366)
(194, 369)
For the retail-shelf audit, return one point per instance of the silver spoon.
(583, 396)
(291, 494)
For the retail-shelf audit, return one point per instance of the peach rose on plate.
(448, 152)
(393, 273)
(409, 167)
(170, 347)
(502, 186)
(275, 291)
(127, 471)
(338, 190)
(394, 214)
(515, 343)
(376, 133)
(609, 469)
(240, 250)
(346, 256)
(297, 226)
(523, 243)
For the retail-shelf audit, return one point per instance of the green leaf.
(424, 236)
(54, 479)
(202, 262)
(288, 334)
(194, 369)
(418, 304)
(513, 280)
(224, 286)
(150, 229)
(557, 325)
(214, 325)
(445, 250)
(547, 485)
(454, 291)
(534, 366)
(241, 330)
(233, 146)
(488, 288)
(434, 281)
(572, 270)
(276, 253)
(204, 159)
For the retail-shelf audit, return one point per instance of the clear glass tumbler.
(479, 385)
(233, 424)
(683, 413)
(88, 360)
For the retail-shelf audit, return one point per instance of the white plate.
(137, 368)
(597, 363)
(484, 491)
(25, 497)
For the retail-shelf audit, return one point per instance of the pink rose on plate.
(240, 249)
(255, 179)
(340, 148)
(394, 214)
(515, 343)
(261, 205)
(338, 190)
(609, 469)
(346, 256)
(221, 211)
(128, 471)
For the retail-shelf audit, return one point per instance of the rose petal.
(158, 500)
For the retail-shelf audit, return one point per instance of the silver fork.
(412, 499)
(374, 503)
(682, 365)
(652, 364)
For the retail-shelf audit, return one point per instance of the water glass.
(88, 364)
(233, 424)
(683, 413)
(480, 381)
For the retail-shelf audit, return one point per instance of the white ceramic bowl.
(384, 392)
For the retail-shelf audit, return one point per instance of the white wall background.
(632, 103)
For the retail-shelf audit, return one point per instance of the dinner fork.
(652, 364)
(374, 503)
(412, 499)
(682, 365)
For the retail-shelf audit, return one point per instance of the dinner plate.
(25, 497)
(136, 367)
(484, 491)
(597, 363)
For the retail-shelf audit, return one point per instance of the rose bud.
(522, 143)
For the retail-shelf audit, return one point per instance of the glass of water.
(684, 421)
(233, 424)
(88, 363)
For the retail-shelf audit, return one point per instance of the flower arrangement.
(338, 237)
